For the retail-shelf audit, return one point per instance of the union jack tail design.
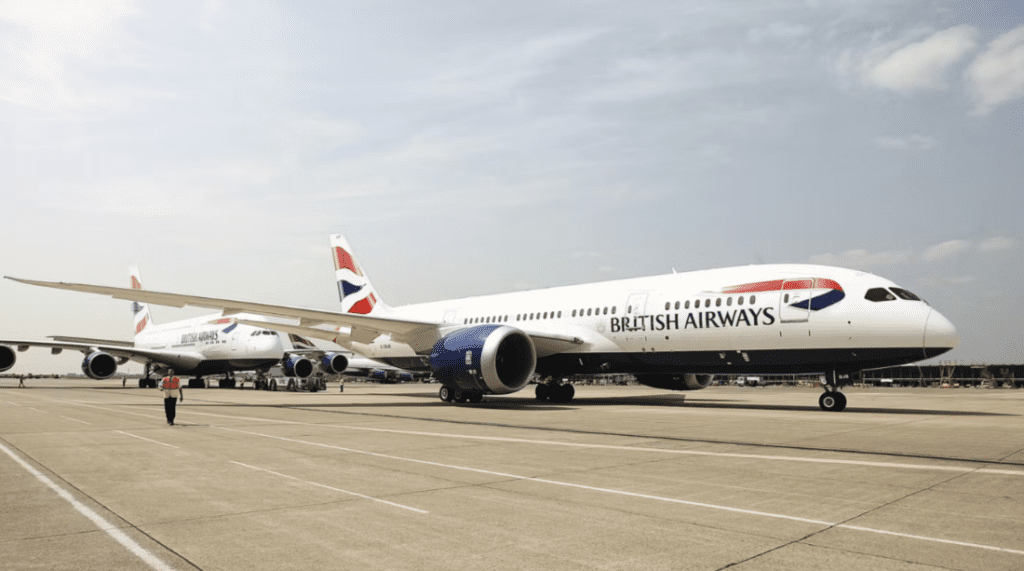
(354, 288)
(143, 319)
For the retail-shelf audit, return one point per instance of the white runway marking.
(36, 409)
(897, 465)
(74, 419)
(146, 439)
(332, 488)
(637, 495)
(142, 553)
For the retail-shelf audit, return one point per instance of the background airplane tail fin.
(354, 288)
(140, 311)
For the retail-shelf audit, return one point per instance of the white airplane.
(671, 331)
(208, 345)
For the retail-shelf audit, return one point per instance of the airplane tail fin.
(354, 288)
(143, 319)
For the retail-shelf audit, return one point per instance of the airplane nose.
(939, 333)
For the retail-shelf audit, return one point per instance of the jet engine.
(683, 382)
(495, 359)
(333, 363)
(297, 366)
(99, 365)
(7, 358)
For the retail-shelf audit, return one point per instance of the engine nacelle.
(99, 365)
(297, 366)
(333, 363)
(684, 382)
(7, 358)
(495, 359)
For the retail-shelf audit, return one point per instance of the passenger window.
(606, 311)
(687, 305)
(718, 302)
(559, 314)
(668, 304)
(739, 300)
(905, 294)
(677, 306)
(613, 310)
(879, 294)
(753, 298)
(786, 299)
(728, 301)
(588, 312)
(574, 313)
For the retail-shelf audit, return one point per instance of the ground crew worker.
(171, 387)
(21, 381)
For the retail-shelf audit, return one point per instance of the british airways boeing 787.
(672, 331)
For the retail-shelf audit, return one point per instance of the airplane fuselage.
(790, 318)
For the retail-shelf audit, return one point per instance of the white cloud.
(862, 259)
(997, 75)
(49, 35)
(903, 67)
(945, 250)
(908, 143)
(996, 244)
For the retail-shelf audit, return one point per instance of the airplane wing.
(420, 335)
(174, 359)
(363, 328)
(91, 341)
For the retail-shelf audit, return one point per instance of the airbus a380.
(208, 345)
(671, 331)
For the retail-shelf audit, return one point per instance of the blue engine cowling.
(297, 366)
(333, 363)
(495, 359)
(99, 365)
(7, 358)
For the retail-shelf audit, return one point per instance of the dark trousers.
(169, 408)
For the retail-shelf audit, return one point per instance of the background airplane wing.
(174, 359)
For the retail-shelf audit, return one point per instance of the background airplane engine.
(333, 363)
(99, 365)
(7, 358)
(495, 359)
(684, 382)
(297, 366)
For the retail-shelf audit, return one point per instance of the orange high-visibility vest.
(170, 383)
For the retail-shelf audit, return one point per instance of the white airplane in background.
(671, 331)
(201, 346)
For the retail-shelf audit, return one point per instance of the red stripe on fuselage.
(778, 285)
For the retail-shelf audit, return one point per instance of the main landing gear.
(832, 400)
(555, 393)
(450, 394)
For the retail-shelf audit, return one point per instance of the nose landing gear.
(832, 400)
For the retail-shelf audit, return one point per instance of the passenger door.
(795, 300)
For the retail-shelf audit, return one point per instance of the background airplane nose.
(939, 332)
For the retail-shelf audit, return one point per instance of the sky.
(479, 147)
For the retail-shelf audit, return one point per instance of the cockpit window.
(879, 294)
(905, 294)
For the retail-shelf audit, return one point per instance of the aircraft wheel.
(833, 401)
(273, 386)
(458, 395)
(291, 385)
(142, 383)
(445, 393)
(562, 393)
(543, 392)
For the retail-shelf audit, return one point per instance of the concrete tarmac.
(389, 477)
